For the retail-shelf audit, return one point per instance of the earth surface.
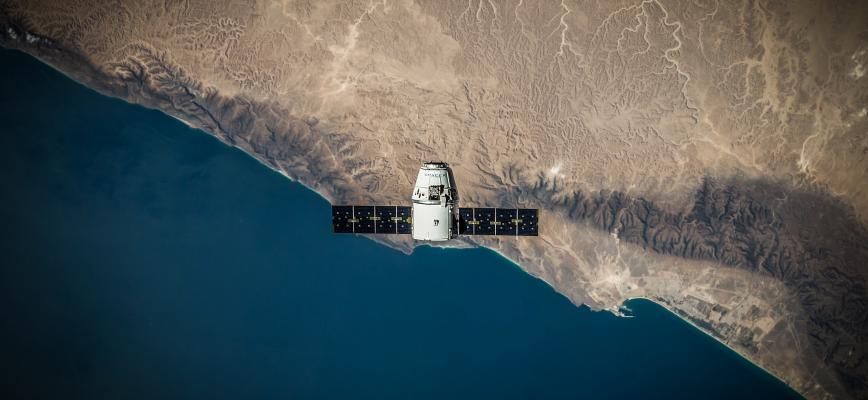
(711, 156)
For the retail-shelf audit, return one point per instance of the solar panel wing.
(364, 215)
(528, 222)
(342, 217)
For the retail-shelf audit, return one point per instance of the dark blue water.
(143, 259)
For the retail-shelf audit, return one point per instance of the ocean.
(144, 259)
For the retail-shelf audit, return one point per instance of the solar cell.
(364, 215)
(505, 222)
(341, 219)
(466, 222)
(385, 222)
(486, 218)
(528, 224)
(405, 223)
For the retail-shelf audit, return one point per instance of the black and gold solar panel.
(342, 217)
(386, 219)
(405, 221)
(505, 222)
(498, 221)
(486, 218)
(466, 222)
(471, 221)
(528, 222)
(363, 214)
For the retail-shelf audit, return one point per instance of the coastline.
(619, 314)
(615, 311)
(716, 339)
(247, 153)
(188, 124)
(412, 248)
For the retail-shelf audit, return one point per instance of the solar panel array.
(397, 220)
(371, 219)
(498, 221)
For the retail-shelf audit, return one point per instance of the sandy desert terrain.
(709, 155)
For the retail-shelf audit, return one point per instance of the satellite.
(433, 216)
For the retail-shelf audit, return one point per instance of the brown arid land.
(709, 155)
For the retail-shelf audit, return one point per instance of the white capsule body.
(433, 203)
